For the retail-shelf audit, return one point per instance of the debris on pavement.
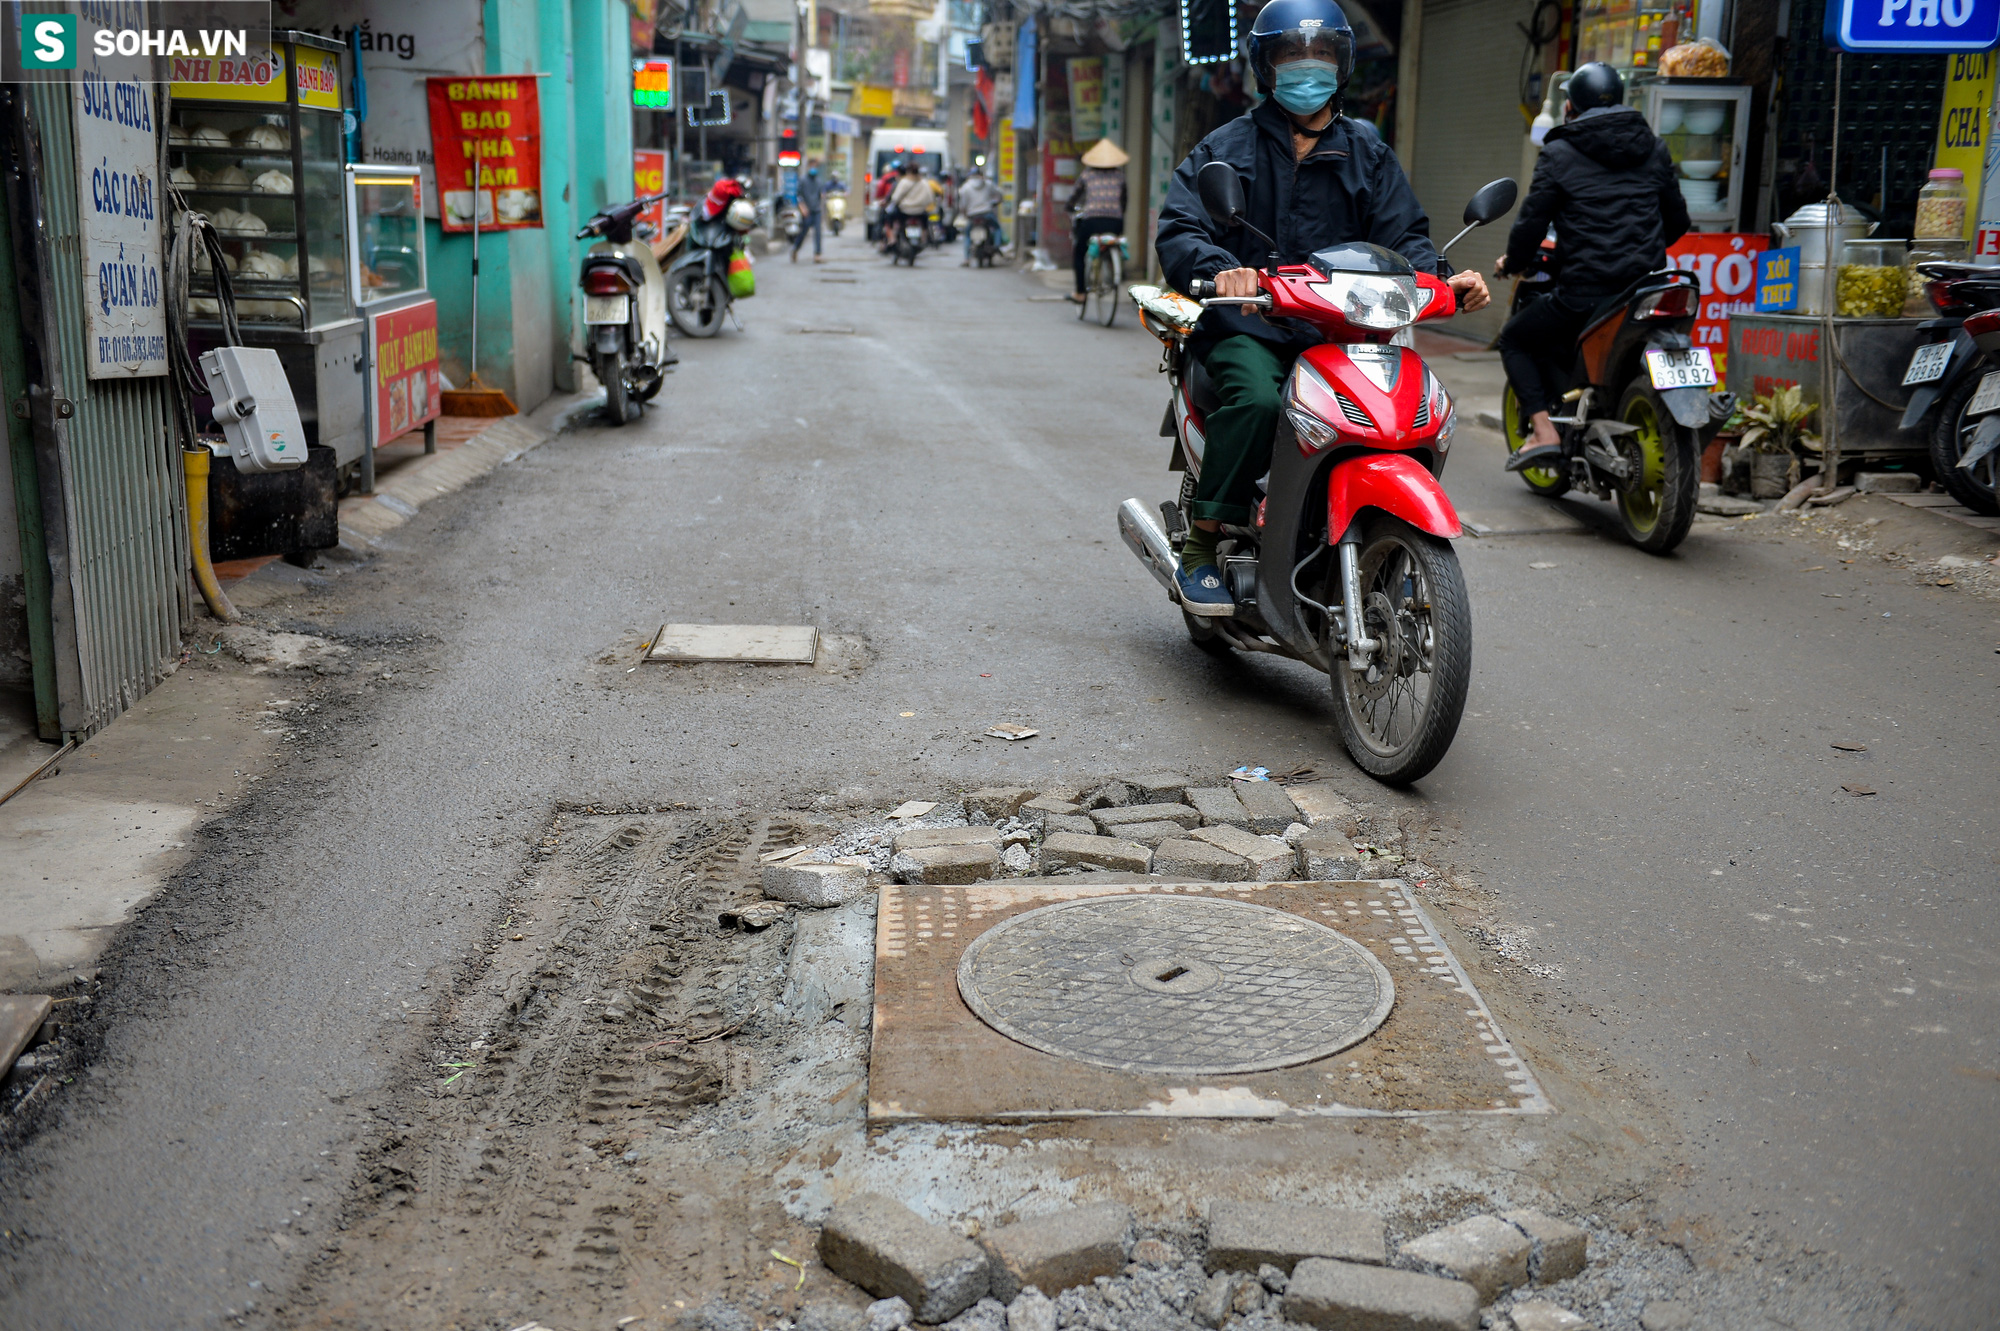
(1008, 731)
(1850, 746)
(737, 644)
(1251, 774)
(913, 808)
(753, 916)
(1855, 788)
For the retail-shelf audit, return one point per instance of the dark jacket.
(1607, 182)
(808, 193)
(1350, 187)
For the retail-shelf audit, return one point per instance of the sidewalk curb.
(365, 519)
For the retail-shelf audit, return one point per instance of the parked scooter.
(1640, 414)
(698, 292)
(984, 232)
(624, 309)
(1347, 562)
(1955, 378)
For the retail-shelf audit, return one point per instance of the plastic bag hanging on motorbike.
(742, 277)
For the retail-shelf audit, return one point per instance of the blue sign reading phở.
(1913, 26)
(1778, 281)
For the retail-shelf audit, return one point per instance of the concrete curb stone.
(1269, 858)
(1270, 808)
(1180, 814)
(1560, 1249)
(1149, 834)
(1074, 824)
(1245, 1236)
(1485, 1251)
(1199, 862)
(1218, 804)
(946, 864)
(815, 884)
(918, 838)
(889, 1250)
(1346, 1296)
(1058, 1251)
(1320, 805)
(1326, 856)
(1065, 849)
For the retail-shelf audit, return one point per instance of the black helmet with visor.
(1288, 30)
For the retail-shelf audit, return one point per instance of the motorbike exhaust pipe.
(1143, 537)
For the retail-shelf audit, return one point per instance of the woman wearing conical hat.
(1098, 206)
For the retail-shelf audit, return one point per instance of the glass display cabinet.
(264, 161)
(388, 285)
(1705, 123)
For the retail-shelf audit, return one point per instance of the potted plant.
(1774, 435)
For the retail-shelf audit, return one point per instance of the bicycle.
(1105, 268)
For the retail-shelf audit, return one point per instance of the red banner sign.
(496, 121)
(649, 176)
(404, 347)
(1726, 263)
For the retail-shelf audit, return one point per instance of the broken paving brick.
(1198, 862)
(1270, 809)
(1066, 849)
(1270, 859)
(1244, 1236)
(996, 803)
(962, 863)
(1157, 787)
(1541, 1315)
(919, 837)
(1058, 1251)
(1328, 1293)
(1320, 805)
(1148, 834)
(815, 884)
(753, 916)
(1560, 1251)
(1218, 805)
(1485, 1251)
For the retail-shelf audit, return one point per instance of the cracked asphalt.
(1801, 978)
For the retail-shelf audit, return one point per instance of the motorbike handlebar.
(1204, 294)
(624, 211)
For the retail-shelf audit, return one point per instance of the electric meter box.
(255, 408)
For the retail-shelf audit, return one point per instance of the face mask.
(1304, 86)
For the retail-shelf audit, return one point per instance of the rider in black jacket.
(1312, 178)
(1607, 183)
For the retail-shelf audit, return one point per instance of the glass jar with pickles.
(1872, 282)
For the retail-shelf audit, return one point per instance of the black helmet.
(1294, 29)
(1593, 85)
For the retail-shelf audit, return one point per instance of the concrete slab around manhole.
(21, 1015)
(750, 644)
(1438, 1051)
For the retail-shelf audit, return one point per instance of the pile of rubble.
(1260, 1265)
(1256, 831)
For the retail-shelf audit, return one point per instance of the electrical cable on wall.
(1537, 36)
(193, 235)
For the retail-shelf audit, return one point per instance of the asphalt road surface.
(929, 462)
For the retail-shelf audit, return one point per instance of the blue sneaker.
(1204, 593)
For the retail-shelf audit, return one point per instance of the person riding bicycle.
(1607, 183)
(979, 200)
(1312, 178)
(1098, 205)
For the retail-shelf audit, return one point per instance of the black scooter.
(1954, 376)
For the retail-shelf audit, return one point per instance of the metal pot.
(1809, 229)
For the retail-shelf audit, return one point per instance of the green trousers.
(1249, 376)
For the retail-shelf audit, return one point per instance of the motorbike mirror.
(1221, 191)
(1492, 202)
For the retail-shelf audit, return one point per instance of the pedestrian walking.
(1098, 205)
(811, 199)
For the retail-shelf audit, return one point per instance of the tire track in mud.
(604, 1011)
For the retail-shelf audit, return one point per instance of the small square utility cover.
(753, 644)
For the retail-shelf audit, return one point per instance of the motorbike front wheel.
(1977, 486)
(1398, 717)
(833, 225)
(1656, 507)
(697, 302)
(1548, 482)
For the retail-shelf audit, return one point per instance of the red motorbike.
(1347, 563)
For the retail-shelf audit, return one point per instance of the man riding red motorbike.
(1312, 179)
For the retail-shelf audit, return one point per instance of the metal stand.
(430, 436)
(1829, 426)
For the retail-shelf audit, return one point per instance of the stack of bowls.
(1699, 186)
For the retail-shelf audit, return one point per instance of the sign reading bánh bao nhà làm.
(496, 121)
(408, 391)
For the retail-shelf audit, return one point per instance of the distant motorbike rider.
(979, 200)
(1312, 178)
(1607, 183)
(911, 198)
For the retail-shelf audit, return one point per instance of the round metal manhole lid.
(1179, 985)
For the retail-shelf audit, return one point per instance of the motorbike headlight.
(1314, 434)
(1371, 300)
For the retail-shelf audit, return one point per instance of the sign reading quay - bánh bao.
(408, 391)
(1913, 27)
(119, 207)
(495, 120)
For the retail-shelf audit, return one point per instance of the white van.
(928, 148)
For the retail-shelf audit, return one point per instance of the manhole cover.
(1174, 985)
